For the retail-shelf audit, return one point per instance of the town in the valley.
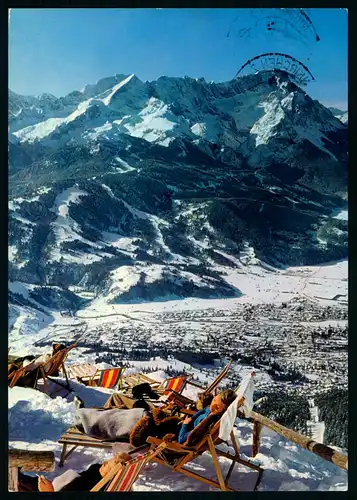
(299, 344)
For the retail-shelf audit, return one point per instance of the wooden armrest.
(187, 411)
(171, 446)
(154, 440)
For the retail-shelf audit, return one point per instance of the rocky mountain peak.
(136, 190)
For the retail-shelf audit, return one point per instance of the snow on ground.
(70, 195)
(30, 325)
(36, 422)
(66, 229)
(156, 123)
(263, 129)
(343, 215)
(257, 284)
(38, 131)
(156, 222)
(12, 252)
(320, 283)
(118, 241)
(115, 89)
(26, 325)
(127, 167)
(316, 282)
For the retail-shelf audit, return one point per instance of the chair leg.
(65, 374)
(235, 444)
(36, 379)
(45, 381)
(205, 480)
(228, 476)
(259, 479)
(216, 464)
(257, 430)
(63, 456)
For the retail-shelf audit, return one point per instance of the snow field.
(36, 422)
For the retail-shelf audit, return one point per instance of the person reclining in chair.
(218, 405)
(172, 428)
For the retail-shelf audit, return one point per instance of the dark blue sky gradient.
(60, 50)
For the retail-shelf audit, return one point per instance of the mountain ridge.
(107, 183)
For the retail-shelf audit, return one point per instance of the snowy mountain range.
(341, 115)
(140, 190)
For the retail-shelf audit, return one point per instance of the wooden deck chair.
(45, 370)
(176, 384)
(211, 388)
(22, 372)
(170, 383)
(75, 438)
(108, 379)
(182, 455)
(123, 476)
(134, 379)
(81, 371)
(53, 365)
(178, 403)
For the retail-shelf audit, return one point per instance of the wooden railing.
(318, 449)
(28, 461)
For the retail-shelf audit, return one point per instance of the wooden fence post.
(257, 430)
(13, 482)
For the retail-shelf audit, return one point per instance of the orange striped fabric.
(175, 384)
(110, 378)
(128, 474)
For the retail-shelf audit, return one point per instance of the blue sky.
(60, 50)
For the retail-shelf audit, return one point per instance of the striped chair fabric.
(110, 378)
(123, 476)
(175, 384)
(128, 474)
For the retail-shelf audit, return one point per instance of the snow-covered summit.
(341, 115)
(344, 117)
(222, 112)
